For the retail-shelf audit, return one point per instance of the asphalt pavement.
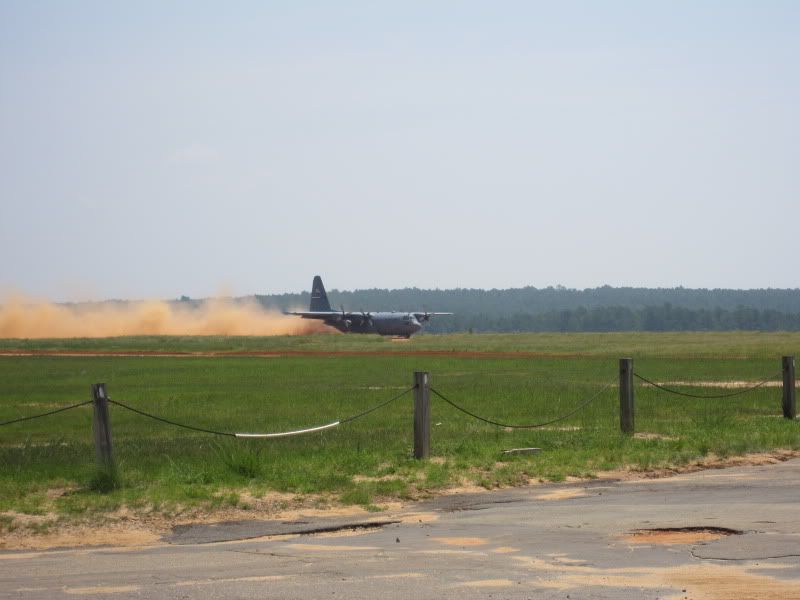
(717, 534)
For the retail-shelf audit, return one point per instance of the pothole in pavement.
(680, 535)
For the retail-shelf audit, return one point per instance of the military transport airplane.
(403, 324)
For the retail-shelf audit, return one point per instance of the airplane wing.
(425, 316)
(333, 314)
(314, 314)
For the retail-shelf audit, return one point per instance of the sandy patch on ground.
(82, 535)
(25, 520)
(487, 583)
(677, 535)
(461, 541)
(712, 582)
(463, 488)
(101, 590)
(562, 494)
(505, 550)
(449, 552)
(418, 517)
(698, 582)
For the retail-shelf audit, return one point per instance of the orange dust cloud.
(25, 318)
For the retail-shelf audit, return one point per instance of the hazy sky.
(153, 149)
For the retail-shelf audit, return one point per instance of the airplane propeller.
(344, 319)
(367, 317)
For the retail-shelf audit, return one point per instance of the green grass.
(47, 465)
(614, 345)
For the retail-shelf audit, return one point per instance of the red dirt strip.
(287, 353)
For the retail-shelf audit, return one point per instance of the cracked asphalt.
(553, 541)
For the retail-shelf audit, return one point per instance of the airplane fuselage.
(383, 323)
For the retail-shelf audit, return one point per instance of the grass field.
(47, 465)
(612, 345)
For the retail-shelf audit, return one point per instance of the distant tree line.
(561, 309)
(620, 318)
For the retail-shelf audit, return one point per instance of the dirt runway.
(287, 353)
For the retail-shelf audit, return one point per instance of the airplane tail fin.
(319, 299)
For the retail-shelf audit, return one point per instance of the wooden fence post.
(101, 426)
(789, 393)
(626, 398)
(422, 414)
